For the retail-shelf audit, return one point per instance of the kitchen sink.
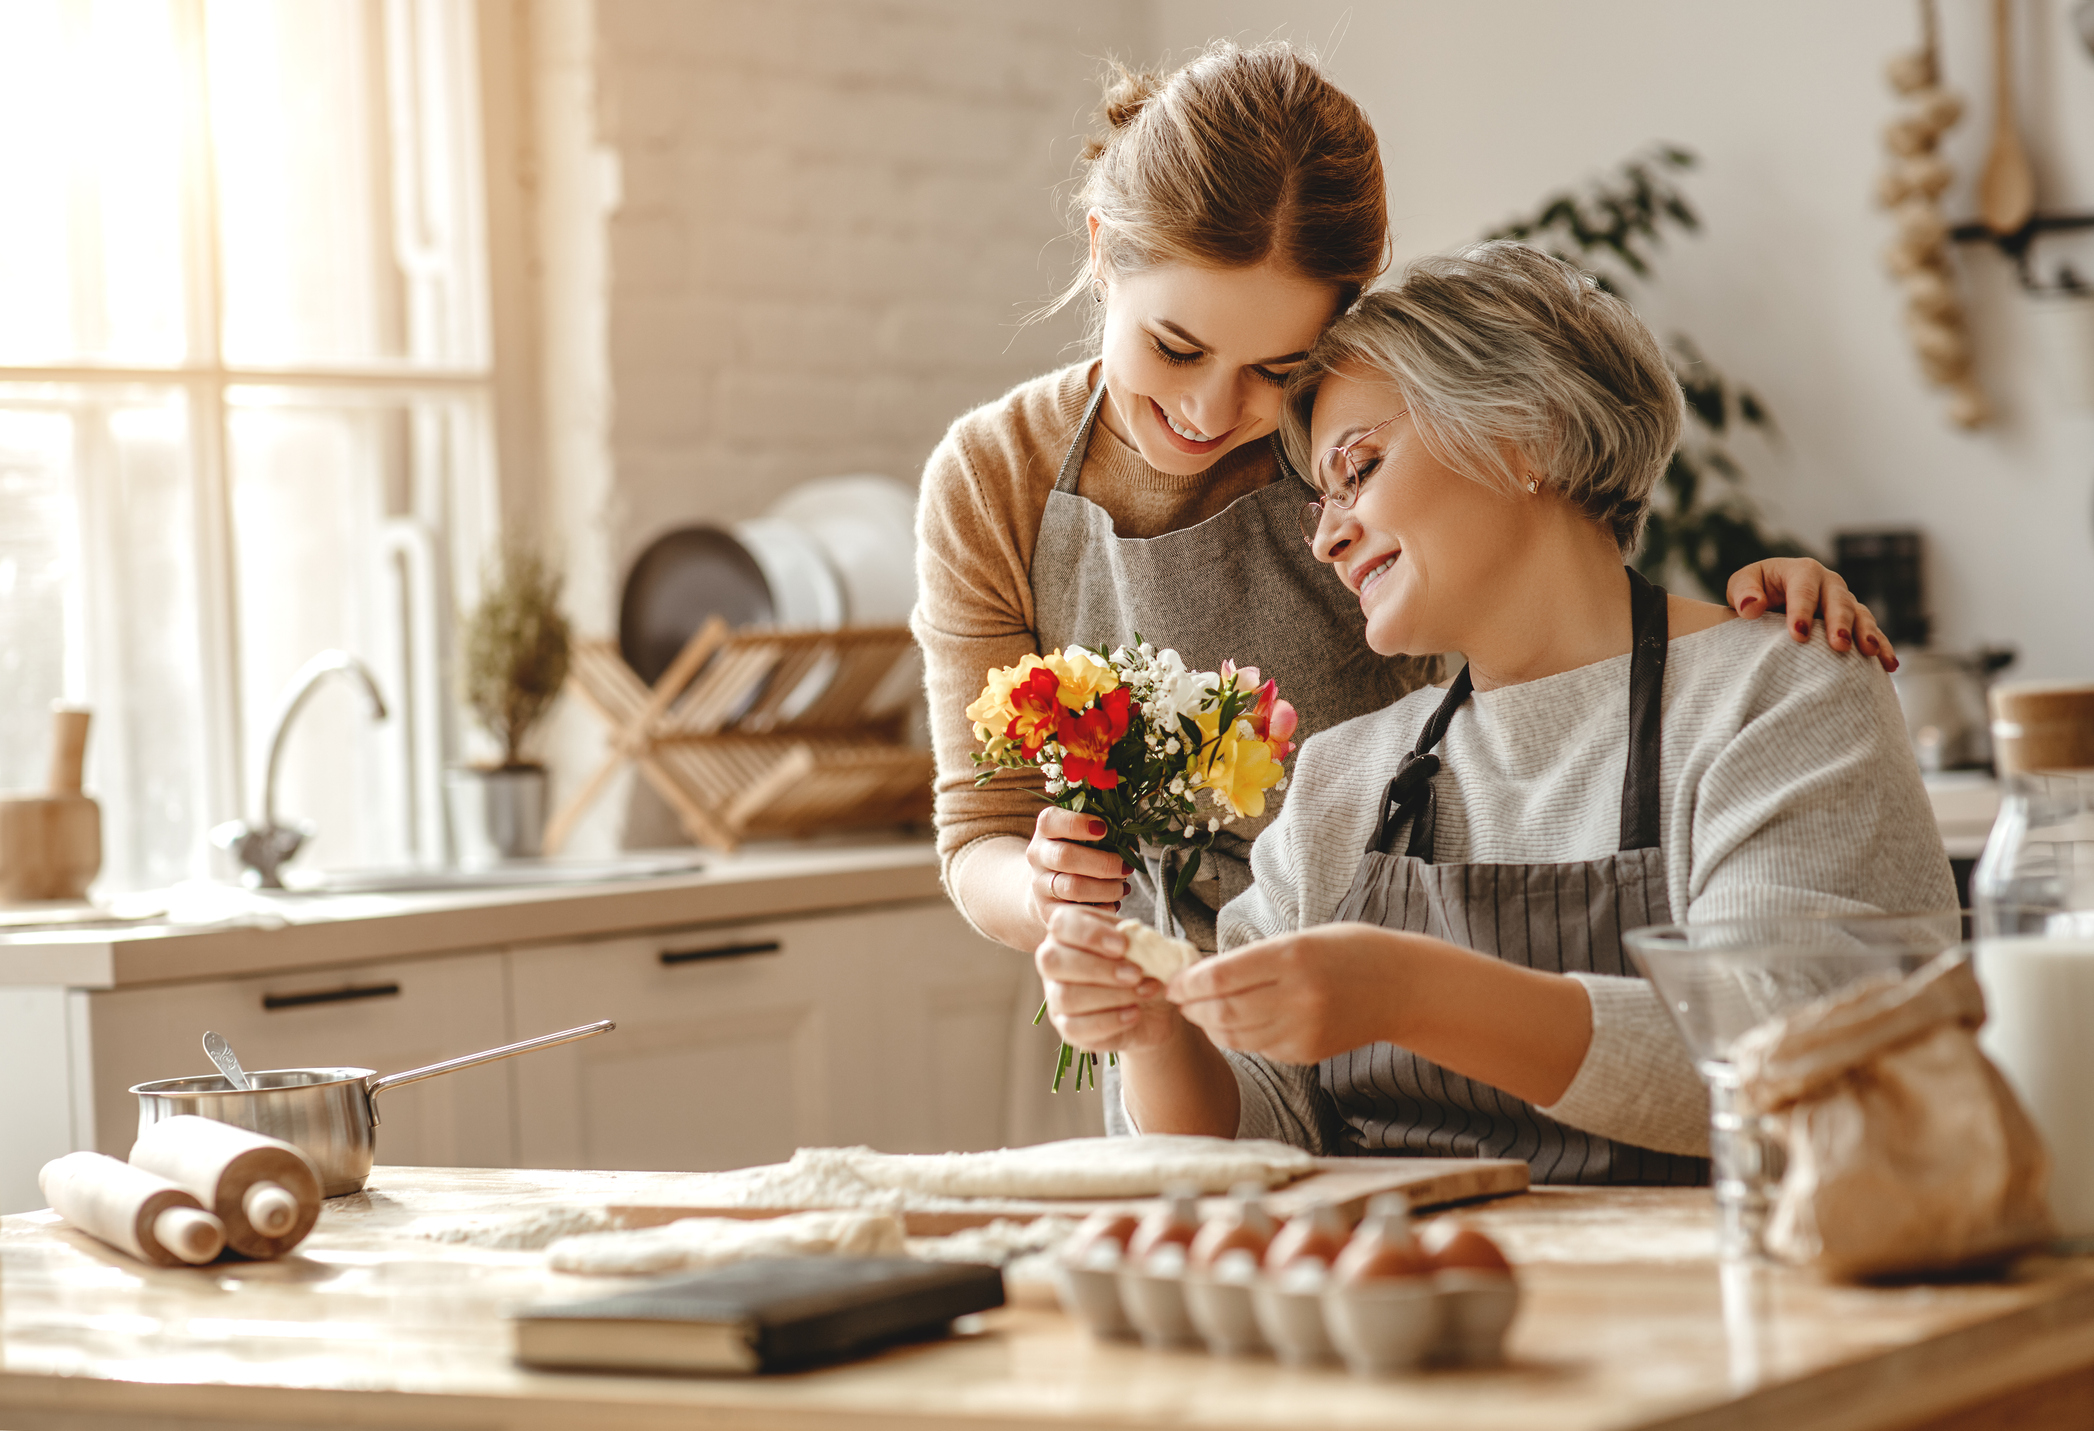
(511, 874)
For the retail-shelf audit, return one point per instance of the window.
(245, 407)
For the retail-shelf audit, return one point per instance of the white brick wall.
(833, 213)
(829, 217)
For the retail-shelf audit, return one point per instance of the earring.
(1097, 290)
(1533, 484)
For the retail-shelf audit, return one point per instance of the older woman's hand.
(1067, 871)
(1097, 998)
(1297, 998)
(1805, 588)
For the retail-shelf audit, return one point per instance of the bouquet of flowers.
(1166, 757)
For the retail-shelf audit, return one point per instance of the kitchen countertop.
(259, 933)
(1628, 1322)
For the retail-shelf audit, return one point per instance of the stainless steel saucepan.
(329, 1113)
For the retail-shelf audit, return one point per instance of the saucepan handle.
(376, 1085)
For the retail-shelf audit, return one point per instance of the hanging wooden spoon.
(2007, 186)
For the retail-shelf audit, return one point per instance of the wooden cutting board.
(1346, 1183)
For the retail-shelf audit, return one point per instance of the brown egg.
(1175, 1223)
(1382, 1248)
(1317, 1235)
(1455, 1245)
(1104, 1226)
(1244, 1226)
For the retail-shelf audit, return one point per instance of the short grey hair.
(1513, 361)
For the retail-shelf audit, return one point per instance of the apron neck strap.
(1639, 783)
(1072, 462)
(1410, 794)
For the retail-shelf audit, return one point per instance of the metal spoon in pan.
(222, 1054)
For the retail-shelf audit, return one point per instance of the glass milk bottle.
(2034, 896)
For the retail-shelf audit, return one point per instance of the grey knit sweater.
(1787, 786)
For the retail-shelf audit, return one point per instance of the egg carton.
(1454, 1317)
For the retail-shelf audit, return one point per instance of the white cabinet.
(738, 1043)
(387, 1017)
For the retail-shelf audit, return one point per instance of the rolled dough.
(1083, 1167)
(1155, 953)
(700, 1242)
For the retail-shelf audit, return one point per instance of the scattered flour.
(513, 1232)
(699, 1242)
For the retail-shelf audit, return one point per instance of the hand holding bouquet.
(1166, 757)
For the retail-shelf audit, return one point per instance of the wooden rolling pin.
(264, 1191)
(132, 1209)
(51, 843)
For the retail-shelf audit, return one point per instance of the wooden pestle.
(51, 842)
(264, 1190)
(132, 1209)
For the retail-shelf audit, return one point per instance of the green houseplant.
(1701, 519)
(514, 649)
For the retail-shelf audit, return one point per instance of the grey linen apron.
(1240, 586)
(1561, 918)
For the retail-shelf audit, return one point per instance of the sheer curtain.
(244, 406)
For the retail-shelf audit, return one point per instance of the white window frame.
(431, 48)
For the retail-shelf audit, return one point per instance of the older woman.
(1429, 959)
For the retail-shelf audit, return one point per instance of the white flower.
(1178, 785)
(1213, 825)
(1051, 771)
(1281, 784)
(1171, 746)
(1057, 787)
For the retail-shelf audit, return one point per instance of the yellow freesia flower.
(992, 711)
(1242, 770)
(1083, 677)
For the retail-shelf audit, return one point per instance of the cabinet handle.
(719, 951)
(273, 1002)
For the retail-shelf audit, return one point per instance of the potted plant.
(515, 649)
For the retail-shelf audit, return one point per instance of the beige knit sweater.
(984, 490)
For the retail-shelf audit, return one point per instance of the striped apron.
(1562, 918)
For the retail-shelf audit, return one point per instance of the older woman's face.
(1423, 543)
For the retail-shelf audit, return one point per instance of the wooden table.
(1628, 1322)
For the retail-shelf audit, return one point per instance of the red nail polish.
(1840, 635)
(1803, 628)
(1097, 828)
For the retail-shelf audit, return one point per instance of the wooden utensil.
(130, 1208)
(1345, 1183)
(51, 843)
(263, 1190)
(2007, 185)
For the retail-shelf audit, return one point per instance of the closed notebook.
(761, 1315)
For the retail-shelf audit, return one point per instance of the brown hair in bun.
(1240, 156)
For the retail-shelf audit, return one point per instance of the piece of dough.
(700, 1242)
(1084, 1167)
(1156, 954)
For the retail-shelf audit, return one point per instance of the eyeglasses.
(1341, 481)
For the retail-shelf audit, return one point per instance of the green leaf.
(1184, 880)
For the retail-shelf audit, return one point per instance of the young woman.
(1430, 959)
(1233, 210)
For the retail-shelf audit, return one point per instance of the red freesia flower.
(1088, 738)
(1273, 720)
(1037, 710)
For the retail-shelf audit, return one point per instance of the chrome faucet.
(263, 848)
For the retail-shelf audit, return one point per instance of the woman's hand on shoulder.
(1297, 998)
(1097, 997)
(1805, 588)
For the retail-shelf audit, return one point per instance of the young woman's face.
(1420, 546)
(1194, 357)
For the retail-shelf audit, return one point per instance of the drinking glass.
(1721, 979)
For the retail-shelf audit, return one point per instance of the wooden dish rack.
(736, 737)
